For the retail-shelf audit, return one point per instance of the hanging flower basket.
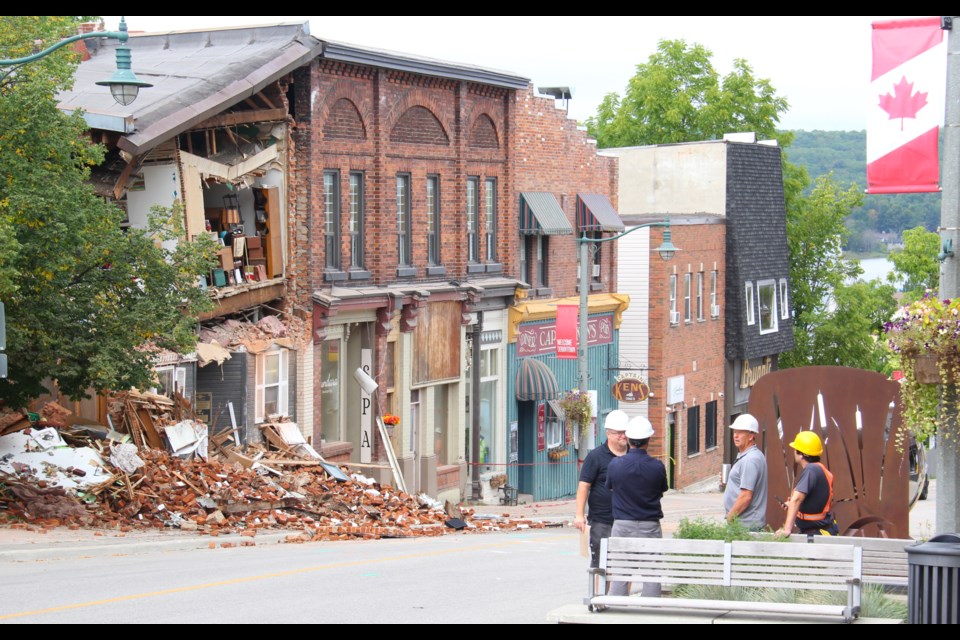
(578, 410)
(926, 369)
(924, 337)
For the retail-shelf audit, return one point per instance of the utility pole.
(948, 470)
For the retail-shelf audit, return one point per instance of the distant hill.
(844, 153)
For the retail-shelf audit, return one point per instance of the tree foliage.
(916, 264)
(84, 298)
(678, 96)
(836, 319)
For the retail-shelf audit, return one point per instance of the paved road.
(500, 577)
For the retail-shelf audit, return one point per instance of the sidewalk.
(26, 545)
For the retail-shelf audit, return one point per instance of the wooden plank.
(672, 545)
(243, 117)
(274, 244)
(793, 550)
(153, 436)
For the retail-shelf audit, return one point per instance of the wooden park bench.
(884, 559)
(775, 565)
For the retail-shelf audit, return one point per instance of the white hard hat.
(746, 422)
(639, 428)
(616, 420)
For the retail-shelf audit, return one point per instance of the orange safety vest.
(826, 508)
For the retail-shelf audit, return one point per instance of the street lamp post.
(666, 251)
(124, 85)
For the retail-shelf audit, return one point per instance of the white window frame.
(554, 435)
(673, 297)
(700, 295)
(751, 311)
(282, 384)
(687, 294)
(774, 326)
(713, 294)
(178, 380)
(784, 300)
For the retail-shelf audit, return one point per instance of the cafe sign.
(630, 389)
(538, 339)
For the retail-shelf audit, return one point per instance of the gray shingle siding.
(756, 246)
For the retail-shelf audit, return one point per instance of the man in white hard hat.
(637, 482)
(746, 494)
(592, 488)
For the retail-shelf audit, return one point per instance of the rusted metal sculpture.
(856, 413)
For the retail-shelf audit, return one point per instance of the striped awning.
(535, 381)
(595, 213)
(541, 215)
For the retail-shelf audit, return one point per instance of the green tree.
(85, 299)
(851, 335)
(818, 274)
(916, 264)
(678, 96)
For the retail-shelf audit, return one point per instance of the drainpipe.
(475, 405)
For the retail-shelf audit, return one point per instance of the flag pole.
(948, 470)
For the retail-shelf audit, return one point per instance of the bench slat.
(792, 550)
(722, 605)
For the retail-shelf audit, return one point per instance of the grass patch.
(703, 529)
(874, 602)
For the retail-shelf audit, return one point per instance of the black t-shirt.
(594, 471)
(813, 482)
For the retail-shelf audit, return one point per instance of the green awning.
(535, 381)
(595, 213)
(540, 214)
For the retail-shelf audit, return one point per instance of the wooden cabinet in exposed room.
(269, 226)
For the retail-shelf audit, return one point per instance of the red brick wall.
(553, 155)
(384, 123)
(694, 350)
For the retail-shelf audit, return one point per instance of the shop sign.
(366, 411)
(538, 339)
(567, 316)
(541, 426)
(203, 406)
(750, 374)
(630, 389)
(675, 389)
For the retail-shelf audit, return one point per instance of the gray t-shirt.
(749, 472)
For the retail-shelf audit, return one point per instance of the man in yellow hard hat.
(809, 506)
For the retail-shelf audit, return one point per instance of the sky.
(821, 65)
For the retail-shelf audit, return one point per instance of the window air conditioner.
(715, 310)
(674, 317)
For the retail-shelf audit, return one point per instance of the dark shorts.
(598, 531)
(831, 530)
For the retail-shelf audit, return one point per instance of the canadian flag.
(906, 106)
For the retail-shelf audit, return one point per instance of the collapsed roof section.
(199, 75)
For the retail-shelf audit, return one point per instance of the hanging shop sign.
(541, 426)
(567, 316)
(538, 339)
(630, 389)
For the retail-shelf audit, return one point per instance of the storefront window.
(330, 390)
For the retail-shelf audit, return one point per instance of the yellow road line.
(266, 576)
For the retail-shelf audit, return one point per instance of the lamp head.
(368, 384)
(124, 84)
(667, 248)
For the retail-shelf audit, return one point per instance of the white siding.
(633, 273)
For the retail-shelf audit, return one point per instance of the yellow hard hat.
(808, 443)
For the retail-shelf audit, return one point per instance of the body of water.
(875, 268)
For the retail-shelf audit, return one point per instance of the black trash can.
(933, 583)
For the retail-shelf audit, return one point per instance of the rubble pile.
(103, 481)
